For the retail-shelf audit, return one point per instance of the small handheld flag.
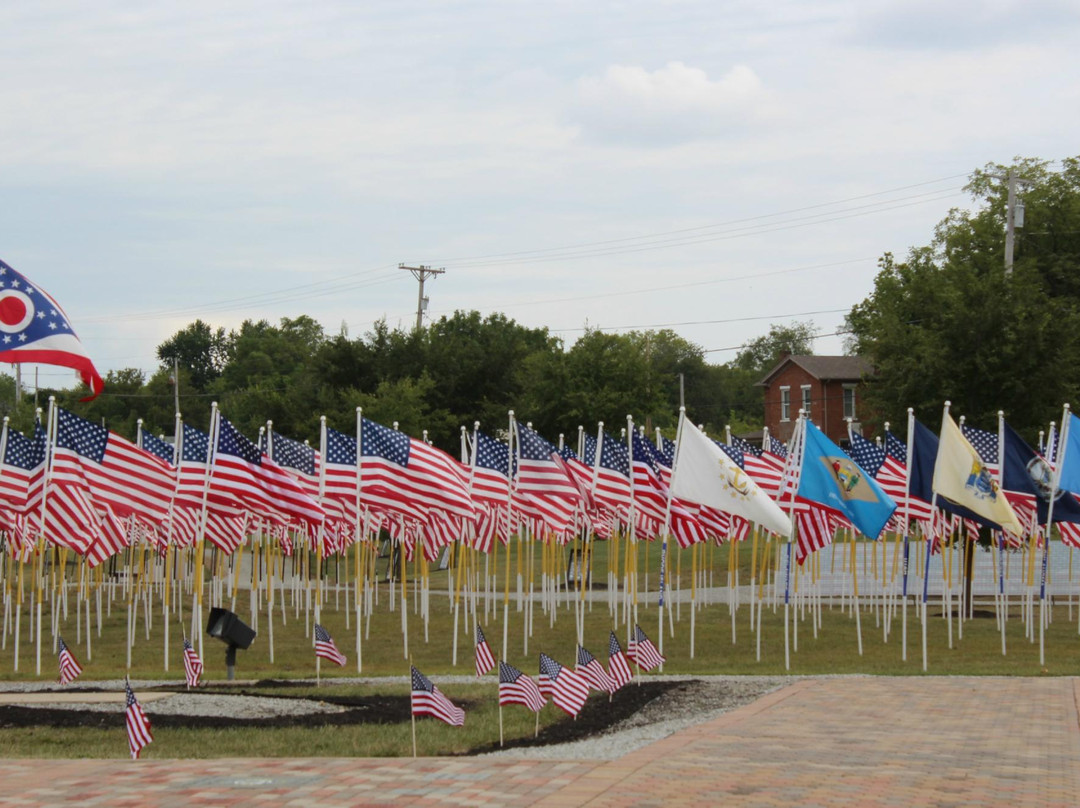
(484, 660)
(516, 687)
(593, 672)
(69, 666)
(325, 647)
(193, 666)
(618, 668)
(567, 689)
(643, 652)
(138, 725)
(429, 700)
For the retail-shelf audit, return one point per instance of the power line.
(704, 227)
(704, 322)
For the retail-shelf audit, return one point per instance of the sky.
(712, 167)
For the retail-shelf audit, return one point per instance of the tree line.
(459, 369)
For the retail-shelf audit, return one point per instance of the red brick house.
(827, 387)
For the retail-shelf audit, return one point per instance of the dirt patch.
(598, 715)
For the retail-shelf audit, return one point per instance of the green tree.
(947, 323)
(200, 350)
(760, 354)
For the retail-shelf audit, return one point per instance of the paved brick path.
(827, 742)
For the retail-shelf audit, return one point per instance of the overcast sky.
(712, 166)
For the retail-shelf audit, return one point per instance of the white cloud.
(673, 104)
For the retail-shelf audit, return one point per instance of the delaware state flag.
(831, 478)
(33, 328)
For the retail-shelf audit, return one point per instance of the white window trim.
(807, 398)
(785, 417)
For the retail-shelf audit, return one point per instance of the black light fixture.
(232, 631)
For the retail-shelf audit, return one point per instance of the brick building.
(827, 387)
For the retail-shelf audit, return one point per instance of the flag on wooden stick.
(516, 687)
(618, 668)
(138, 725)
(484, 660)
(429, 700)
(193, 666)
(69, 666)
(643, 652)
(326, 648)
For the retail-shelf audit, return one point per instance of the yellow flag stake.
(455, 577)
(732, 585)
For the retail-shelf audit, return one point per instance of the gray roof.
(825, 368)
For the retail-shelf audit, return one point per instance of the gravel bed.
(210, 704)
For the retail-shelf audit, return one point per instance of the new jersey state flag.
(704, 474)
(831, 478)
(961, 477)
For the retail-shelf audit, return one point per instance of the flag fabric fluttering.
(962, 477)
(484, 659)
(831, 478)
(618, 669)
(642, 651)
(69, 666)
(326, 648)
(1069, 475)
(516, 687)
(568, 690)
(427, 699)
(193, 666)
(1027, 472)
(138, 725)
(593, 672)
(36, 329)
(705, 474)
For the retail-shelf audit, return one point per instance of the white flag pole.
(1055, 479)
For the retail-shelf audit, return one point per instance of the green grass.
(833, 651)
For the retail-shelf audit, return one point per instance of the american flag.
(23, 469)
(896, 466)
(325, 647)
(157, 447)
(567, 690)
(428, 700)
(593, 672)
(814, 529)
(650, 494)
(517, 688)
(69, 666)
(410, 471)
(484, 660)
(244, 473)
(491, 470)
(193, 666)
(35, 329)
(618, 668)
(138, 725)
(118, 473)
(986, 444)
(299, 459)
(642, 651)
(761, 468)
(612, 474)
(542, 481)
(341, 482)
(777, 448)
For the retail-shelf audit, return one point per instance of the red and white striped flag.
(69, 666)
(618, 668)
(517, 688)
(193, 666)
(326, 648)
(643, 652)
(138, 725)
(484, 660)
(428, 700)
(567, 690)
(590, 669)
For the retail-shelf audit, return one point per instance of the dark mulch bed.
(598, 714)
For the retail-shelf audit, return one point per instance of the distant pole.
(1014, 215)
(18, 384)
(682, 391)
(421, 273)
(176, 384)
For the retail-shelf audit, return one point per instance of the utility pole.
(1014, 215)
(421, 273)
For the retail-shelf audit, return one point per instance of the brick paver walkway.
(827, 742)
